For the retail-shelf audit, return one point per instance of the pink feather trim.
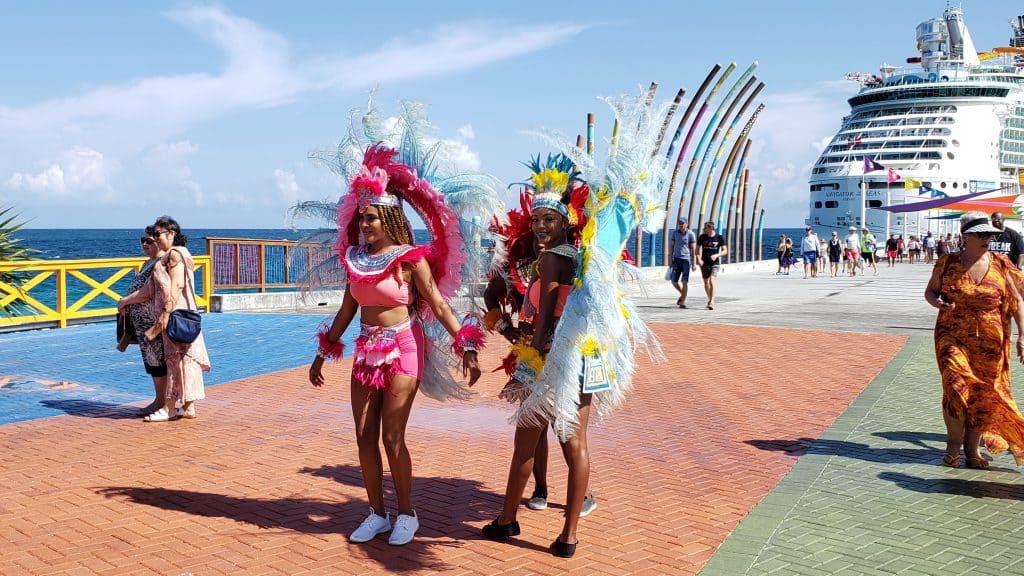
(446, 253)
(328, 349)
(471, 336)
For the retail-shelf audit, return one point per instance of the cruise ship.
(953, 122)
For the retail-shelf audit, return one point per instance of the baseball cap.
(683, 220)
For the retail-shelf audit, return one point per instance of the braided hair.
(395, 224)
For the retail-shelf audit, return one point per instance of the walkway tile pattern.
(266, 481)
(870, 496)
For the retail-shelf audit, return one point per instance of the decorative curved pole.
(760, 229)
(703, 138)
(705, 144)
(682, 152)
(590, 133)
(756, 246)
(732, 171)
(743, 212)
(648, 102)
(668, 120)
(709, 176)
(734, 177)
(719, 198)
(726, 180)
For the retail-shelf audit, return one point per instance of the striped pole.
(704, 145)
(590, 133)
(693, 160)
(719, 198)
(671, 148)
(756, 246)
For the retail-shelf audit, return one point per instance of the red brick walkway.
(266, 480)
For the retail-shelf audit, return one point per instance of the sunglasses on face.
(147, 240)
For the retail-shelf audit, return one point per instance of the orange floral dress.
(973, 350)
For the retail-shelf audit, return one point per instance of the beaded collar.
(362, 266)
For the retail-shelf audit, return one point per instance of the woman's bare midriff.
(383, 315)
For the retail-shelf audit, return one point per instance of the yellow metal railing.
(92, 281)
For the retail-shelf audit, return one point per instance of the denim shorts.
(680, 269)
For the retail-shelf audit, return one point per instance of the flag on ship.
(870, 165)
(855, 142)
(910, 183)
(891, 176)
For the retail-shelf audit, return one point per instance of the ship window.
(874, 204)
(929, 92)
(943, 185)
(831, 204)
(817, 204)
(955, 185)
(949, 155)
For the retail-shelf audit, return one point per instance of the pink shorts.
(852, 254)
(381, 352)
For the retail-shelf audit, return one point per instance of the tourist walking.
(712, 248)
(892, 250)
(929, 248)
(1008, 241)
(399, 291)
(136, 306)
(868, 249)
(914, 249)
(684, 243)
(852, 251)
(809, 252)
(977, 293)
(835, 254)
(901, 247)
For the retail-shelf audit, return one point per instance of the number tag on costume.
(595, 376)
(524, 374)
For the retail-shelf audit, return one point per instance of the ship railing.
(61, 293)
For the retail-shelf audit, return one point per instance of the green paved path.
(870, 495)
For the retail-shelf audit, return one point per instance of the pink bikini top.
(533, 292)
(387, 292)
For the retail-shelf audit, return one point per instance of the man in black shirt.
(710, 249)
(1009, 242)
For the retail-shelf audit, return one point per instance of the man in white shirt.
(809, 251)
(852, 251)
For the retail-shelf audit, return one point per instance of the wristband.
(327, 349)
(469, 338)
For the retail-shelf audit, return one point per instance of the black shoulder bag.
(184, 325)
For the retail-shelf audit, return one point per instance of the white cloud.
(51, 146)
(287, 186)
(784, 150)
(467, 132)
(78, 169)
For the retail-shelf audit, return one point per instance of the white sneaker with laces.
(405, 528)
(371, 527)
(539, 501)
(589, 505)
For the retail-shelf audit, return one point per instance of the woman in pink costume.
(395, 286)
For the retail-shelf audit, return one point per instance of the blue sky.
(113, 113)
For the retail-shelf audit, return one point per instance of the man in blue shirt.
(684, 242)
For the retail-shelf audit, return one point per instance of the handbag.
(125, 329)
(184, 325)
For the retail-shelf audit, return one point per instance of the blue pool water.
(77, 370)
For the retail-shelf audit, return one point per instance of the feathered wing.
(455, 205)
(599, 324)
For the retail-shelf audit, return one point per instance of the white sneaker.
(539, 500)
(371, 527)
(405, 528)
(589, 505)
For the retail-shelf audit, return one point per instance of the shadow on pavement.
(916, 438)
(802, 446)
(93, 409)
(956, 486)
(303, 515)
(470, 503)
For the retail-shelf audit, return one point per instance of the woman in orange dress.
(977, 293)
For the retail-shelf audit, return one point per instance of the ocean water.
(76, 244)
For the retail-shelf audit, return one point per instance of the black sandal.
(501, 532)
(563, 549)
